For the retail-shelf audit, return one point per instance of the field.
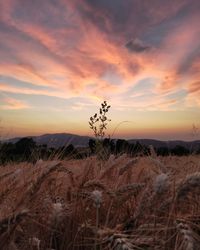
(121, 204)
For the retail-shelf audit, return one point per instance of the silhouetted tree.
(180, 150)
(24, 147)
(198, 151)
(163, 151)
(92, 145)
(139, 149)
(7, 153)
(121, 146)
(131, 149)
(67, 151)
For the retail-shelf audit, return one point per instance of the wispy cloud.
(28, 91)
(77, 51)
(13, 104)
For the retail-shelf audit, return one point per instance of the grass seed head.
(96, 196)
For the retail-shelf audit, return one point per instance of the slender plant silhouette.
(98, 122)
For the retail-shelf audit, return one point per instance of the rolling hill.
(63, 139)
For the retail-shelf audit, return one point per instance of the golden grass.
(142, 203)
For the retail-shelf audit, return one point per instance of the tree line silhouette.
(26, 149)
(120, 146)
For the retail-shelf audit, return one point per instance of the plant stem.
(97, 226)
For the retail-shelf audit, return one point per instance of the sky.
(59, 59)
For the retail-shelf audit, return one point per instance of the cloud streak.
(13, 104)
(78, 50)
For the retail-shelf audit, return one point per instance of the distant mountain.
(58, 140)
(63, 139)
(168, 144)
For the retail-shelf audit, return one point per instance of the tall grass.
(121, 203)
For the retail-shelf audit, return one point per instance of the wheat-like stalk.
(8, 226)
(6, 175)
(102, 204)
(34, 187)
(153, 153)
(143, 203)
(128, 165)
(35, 242)
(129, 188)
(12, 220)
(9, 188)
(190, 183)
(159, 164)
(88, 169)
(95, 184)
(107, 171)
(186, 234)
(119, 242)
(161, 183)
(12, 246)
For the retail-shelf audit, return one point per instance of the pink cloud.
(13, 104)
(74, 58)
(194, 87)
(80, 66)
(28, 91)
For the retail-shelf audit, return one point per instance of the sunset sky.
(59, 59)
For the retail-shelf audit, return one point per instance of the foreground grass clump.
(123, 203)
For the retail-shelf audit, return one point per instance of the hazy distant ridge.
(168, 144)
(62, 139)
(58, 140)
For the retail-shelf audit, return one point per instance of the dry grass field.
(121, 204)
